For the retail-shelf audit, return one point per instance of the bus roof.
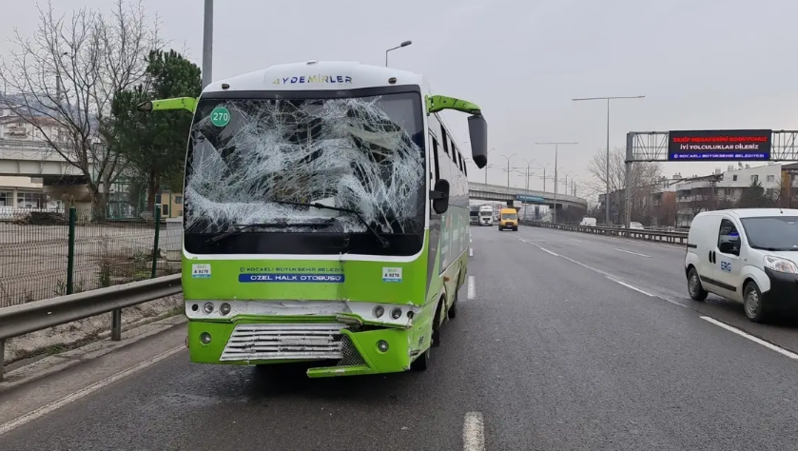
(317, 75)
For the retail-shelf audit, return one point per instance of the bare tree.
(65, 77)
(644, 177)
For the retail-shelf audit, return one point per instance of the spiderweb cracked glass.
(340, 152)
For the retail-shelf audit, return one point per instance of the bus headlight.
(208, 307)
(378, 311)
(225, 308)
(396, 313)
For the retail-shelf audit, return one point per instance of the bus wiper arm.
(385, 243)
(238, 228)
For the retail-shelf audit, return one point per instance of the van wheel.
(752, 304)
(697, 292)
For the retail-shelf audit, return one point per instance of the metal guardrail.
(34, 316)
(672, 237)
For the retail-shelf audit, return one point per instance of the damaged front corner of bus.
(178, 103)
(477, 126)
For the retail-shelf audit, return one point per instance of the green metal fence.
(45, 254)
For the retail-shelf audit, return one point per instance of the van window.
(774, 233)
(728, 238)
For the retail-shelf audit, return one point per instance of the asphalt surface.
(573, 342)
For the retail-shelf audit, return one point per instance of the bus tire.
(452, 313)
(421, 363)
(436, 323)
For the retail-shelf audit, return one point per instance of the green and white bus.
(326, 218)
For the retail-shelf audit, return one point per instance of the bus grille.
(284, 341)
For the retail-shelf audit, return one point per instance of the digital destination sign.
(708, 145)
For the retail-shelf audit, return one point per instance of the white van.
(745, 255)
(590, 222)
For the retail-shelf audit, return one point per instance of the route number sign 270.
(220, 116)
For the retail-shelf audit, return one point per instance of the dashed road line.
(607, 275)
(633, 253)
(473, 432)
(631, 287)
(550, 252)
(470, 251)
(756, 340)
(472, 288)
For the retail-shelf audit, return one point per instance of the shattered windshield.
(249, 159)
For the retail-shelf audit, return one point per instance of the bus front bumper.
(339, 350)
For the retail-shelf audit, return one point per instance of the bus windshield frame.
(358, 149)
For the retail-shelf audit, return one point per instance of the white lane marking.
(571, 239)
(631, 287)
(473, 432)
(49, 408)
(546, 250)
(756, 340)
(470, 251)
(633, 253)
(608, 275)
(472, 288)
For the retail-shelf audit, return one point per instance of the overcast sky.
(701, 64)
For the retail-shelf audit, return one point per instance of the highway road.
(566, 341)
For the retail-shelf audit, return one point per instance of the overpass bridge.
(501, 193)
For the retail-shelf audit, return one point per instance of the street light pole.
(404, 44)
(556, 149)
(207, 45)
(508, 168)
(607, 196)
(487, 166)
(544, 174)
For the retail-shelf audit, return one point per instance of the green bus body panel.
(362, 281)
(403, 343)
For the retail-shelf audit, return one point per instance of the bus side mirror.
(440, 196)
(478, 132)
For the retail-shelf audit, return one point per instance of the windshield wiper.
(384, 242)
(238, 228)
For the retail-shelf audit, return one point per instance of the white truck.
(486, 215)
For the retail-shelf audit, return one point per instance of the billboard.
(724, 145)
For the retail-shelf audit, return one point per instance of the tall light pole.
(487, 166)
(544, 174)
(607, 196)
(567, 173)
(556, 148)
(207, 45)
(508, 168)
(404, 44)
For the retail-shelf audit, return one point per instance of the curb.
(46, 366)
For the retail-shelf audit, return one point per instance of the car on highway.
(508, 219)
(745, 255)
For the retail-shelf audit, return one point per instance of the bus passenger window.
(435, 157)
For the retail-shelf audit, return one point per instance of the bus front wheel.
(422, 362)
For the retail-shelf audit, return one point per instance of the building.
(722, 190)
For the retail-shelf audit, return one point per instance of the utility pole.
(607, 197)
(556, 149)
(207, 45)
